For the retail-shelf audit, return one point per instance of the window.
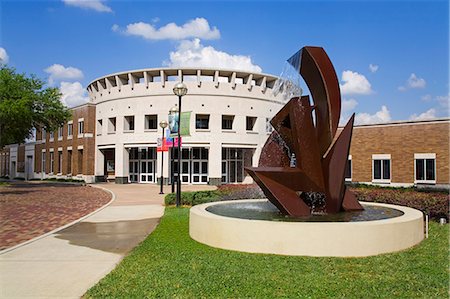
(381, 165)
(151, 122)
(250, 123)
(269, 128)
(128, 124)
(60, 133)
(44, 134)
(99, 126)
(425, 168)
(69, 161)
(43, 165)
(112, 125)
(227, 122)
(348, 169)
(52, 136)
(80, 161)
(202, 121)
(80, 128)
(51, 162)
(60, 158)
(69, 130)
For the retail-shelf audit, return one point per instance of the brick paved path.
(28, 210)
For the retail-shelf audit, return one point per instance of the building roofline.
(182, 69)
(82, 105)
(405, 122)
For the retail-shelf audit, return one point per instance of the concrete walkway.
(67, 263)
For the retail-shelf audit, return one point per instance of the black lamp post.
(179, 90)
(163, 124)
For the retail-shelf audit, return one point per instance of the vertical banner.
(173, 124)
(185, 123)
(162, 145)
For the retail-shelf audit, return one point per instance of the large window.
(381, 166)
(80, 128)
(348, 169)
(99, 126)
(250, 123)
(52, 161)
(69, 130)
(233, 162)
(69, 162)
(202, 121)
(128, 123)
(111, 125)
(151, 122)
(425, 168)
(227, 122)
(60, 159)
(269, 127)
(60, 133)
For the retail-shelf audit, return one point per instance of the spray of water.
(288, 84)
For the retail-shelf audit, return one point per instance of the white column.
(165, 166)
(121, 163)
(215, 162)
(99, 163)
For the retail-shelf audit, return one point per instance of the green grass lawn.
(169, 264)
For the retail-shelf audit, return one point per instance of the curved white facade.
(225, 102)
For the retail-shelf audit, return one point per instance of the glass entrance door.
(142, 165)
(194, 165)
(147, 174)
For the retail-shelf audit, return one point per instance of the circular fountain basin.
(256, 226)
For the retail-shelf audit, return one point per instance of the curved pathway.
(65, 264)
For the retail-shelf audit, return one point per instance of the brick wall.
(401, 141)
(80, 163)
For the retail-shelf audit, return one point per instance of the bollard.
(442, 221)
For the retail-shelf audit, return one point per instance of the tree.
(25, 104)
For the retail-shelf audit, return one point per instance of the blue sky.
(392, 58)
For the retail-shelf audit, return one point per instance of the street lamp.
(179, 90)
(163, 124)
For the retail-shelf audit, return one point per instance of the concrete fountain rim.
(332, 239)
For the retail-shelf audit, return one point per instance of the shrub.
(193, 198)
(434, 204)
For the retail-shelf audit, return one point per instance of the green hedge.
(193, 198)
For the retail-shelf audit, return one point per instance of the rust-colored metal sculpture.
(321, 155)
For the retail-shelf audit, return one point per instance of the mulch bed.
(28, 210)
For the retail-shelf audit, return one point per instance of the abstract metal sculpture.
(321, 156)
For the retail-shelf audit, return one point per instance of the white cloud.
(194, 54)
(373, 68)
(197, 28)
(426, 98)
(348, 105)
(429, 114)
(347, 108)
(115, 28)
(59, 72)
(73, 94)
(413, 82)
(4, 58)
(444, 103)
(96, 5)
(381, 116)
(355, 83)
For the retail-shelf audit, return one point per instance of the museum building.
(114, 136)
